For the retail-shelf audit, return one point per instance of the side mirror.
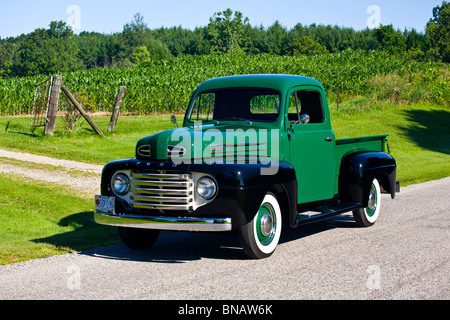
(173, 119)
(305, 119)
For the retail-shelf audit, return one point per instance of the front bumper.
(164, 223)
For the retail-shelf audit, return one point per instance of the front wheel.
(367, 217)
(260, 237)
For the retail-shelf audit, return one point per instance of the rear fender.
(359, 169)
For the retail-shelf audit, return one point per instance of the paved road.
(404, 256)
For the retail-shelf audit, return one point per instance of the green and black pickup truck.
(255, 154)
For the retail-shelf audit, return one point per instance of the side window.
(203, 109)
(306, 102)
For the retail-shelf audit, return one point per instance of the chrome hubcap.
(266, 224)
(372, 199)
(372, 205)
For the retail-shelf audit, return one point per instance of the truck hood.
(212, 143)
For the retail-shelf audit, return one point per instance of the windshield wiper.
(236, 119)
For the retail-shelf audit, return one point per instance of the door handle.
(329, 139)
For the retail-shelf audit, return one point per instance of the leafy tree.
(136, 33)
(278, 40)
(415, 45)
(364, 40)
(7, 53)
(158, 50)
(227, 33)
(199, 44)
(176, 39)
(90, 45)
(307, 46)
(140, 55)
(57, 49)
(48, 51)
(114, 50)
(259, 40)
(438, 31)
(390, 40)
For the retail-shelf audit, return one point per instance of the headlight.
(206, 188)
(120, 184)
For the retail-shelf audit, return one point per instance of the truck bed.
(372, 143)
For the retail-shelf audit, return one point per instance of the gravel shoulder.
(76, 175)
(67, 164)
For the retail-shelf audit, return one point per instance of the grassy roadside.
(419, 135)
(39, 220)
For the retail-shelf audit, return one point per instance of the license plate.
(105, 204)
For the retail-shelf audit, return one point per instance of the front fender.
(241, 187)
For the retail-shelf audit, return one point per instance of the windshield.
(236, 104)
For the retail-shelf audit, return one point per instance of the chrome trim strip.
(247, 144)
(158, 206)
(162, 199)
(162, 191)
(160, 183)
(164, 223)
(160, 176)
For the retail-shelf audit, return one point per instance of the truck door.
(312, 144)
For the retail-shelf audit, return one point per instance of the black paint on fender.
(241, 188)
(359, 169)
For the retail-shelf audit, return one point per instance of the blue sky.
(20, 16)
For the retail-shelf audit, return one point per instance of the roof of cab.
(278, 82)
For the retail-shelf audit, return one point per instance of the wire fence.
(41, 103)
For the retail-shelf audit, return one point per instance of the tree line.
(58, 49)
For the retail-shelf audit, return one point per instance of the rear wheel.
(367, 217)
(138, 239)
(260, 237)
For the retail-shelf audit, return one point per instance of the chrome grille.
(162, 191)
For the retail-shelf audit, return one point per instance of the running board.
(325, 213)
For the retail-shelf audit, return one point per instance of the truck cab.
(255, 154)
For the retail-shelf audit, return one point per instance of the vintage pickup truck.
(256, 153)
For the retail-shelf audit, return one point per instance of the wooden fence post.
(116, 111)
(53, 106)
(81, 110)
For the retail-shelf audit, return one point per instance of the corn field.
(165, 86)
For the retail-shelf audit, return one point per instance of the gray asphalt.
(404, 256)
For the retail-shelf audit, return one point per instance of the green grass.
(38, 220)
(419, 135)
(83, 145)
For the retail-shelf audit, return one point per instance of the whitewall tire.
(260, 237)
(366, 217)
